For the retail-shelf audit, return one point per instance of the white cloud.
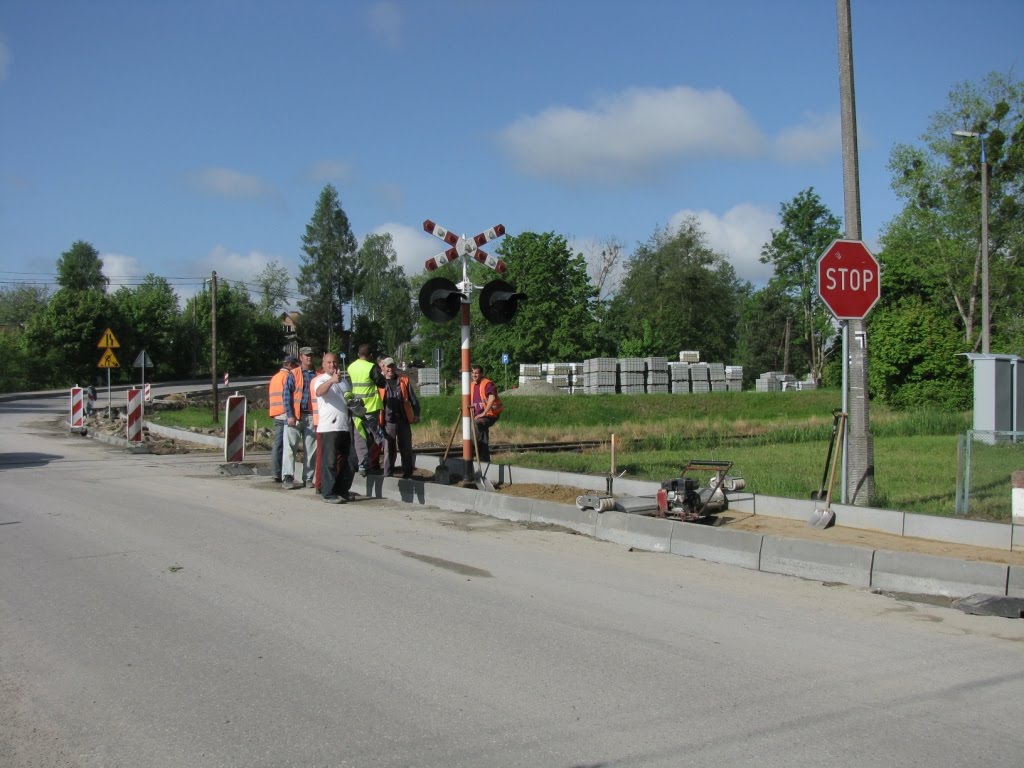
(412, 246)
(234, 185)
(385, 20)
(631, 135)
(121, 270)
(738, 235)
(330, 171)
(818, 137)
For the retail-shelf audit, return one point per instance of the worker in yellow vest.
(366, 381)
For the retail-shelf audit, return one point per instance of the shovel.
(820, 493)
(481, 479)
(442, 474)
(823, 517)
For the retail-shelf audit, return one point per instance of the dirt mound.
(533, 387)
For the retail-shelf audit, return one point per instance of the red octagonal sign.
(848, 279)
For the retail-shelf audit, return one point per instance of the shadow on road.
(20, 460)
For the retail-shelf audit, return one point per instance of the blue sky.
(189, 136)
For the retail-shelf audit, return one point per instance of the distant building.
(288, 327)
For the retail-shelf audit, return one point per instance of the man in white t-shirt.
(334, 427)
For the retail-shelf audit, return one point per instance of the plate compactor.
(685, 498)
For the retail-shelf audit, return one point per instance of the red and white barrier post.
(1017, 497)
(234, 428)
(134, 415)
(149, 392)
(76, 417)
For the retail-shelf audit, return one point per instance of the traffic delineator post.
(76, 416)
(234, 430)
(134, 415)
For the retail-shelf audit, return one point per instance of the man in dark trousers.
(401, 411)
(487, 408)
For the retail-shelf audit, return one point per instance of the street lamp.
(985, 334)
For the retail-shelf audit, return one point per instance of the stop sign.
(848, 279)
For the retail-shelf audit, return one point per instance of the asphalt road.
(156, 613)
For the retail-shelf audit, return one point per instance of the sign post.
(849, 284)
(108, 342)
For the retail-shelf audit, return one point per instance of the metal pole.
(985, 329)
(213, 346)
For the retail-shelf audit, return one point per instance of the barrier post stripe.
(77, 416)
(134, 415)
(234, 431)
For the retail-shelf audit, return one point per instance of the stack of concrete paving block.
(429, 381)
(679, 378)
(529, 372)
(656, 379)
(599, 375)
(631, 375)
(700, 380)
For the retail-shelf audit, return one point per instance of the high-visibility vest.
(403, 387)
(314, 406)
(478, 392)
(363, 386)
(275, 399)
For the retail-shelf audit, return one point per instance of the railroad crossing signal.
(848, 279)
(461, 246)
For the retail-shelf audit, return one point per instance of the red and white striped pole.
(234, 429)
(467, 404)
(149, 392)
(134, 415)
(77, 415)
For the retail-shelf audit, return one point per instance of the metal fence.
(986, 460)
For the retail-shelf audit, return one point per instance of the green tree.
(915, 357)
(249, 339)
(151, 318)
(556, 322)
(62, 339)
(933, 247)
(767, 341)
(329, 273)
(19, 304)
(272, 281)
(81, 269)
(684, 290)
(383, 304)
(808, 227)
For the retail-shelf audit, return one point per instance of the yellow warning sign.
(109, 360)
(109, 341)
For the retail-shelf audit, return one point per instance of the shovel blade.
(443, 475)
(483, 483)
(827, 519)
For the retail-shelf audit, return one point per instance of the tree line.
(675, 291)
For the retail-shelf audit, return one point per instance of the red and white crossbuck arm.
(465, 247)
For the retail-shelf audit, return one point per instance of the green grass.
(777, 441)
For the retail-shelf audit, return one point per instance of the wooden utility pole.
(859, 456)
(213, 346)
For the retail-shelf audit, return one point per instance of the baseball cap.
(291, 360)
(305, 350)
(387, 361)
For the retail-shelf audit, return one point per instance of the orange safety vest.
(275, 400)
(403, 386)
(478, 391)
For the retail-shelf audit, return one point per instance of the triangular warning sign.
(109, 341)
(109, 360)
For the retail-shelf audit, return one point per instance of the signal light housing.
(499, 301)
(440, 299)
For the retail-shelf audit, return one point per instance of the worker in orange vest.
(487, 408)
(279, 414)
